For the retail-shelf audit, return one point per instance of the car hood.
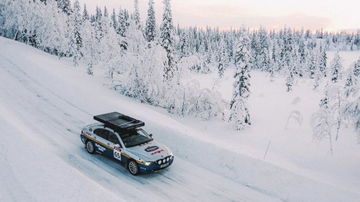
(151, 151)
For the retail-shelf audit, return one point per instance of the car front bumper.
(154, 167)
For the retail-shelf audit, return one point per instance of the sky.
(330, 15)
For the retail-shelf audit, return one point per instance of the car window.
(135, 137)
(102, 133)
(113, 138)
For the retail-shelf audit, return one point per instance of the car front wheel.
(90, 147)
(133, 167)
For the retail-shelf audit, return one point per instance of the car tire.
(133, 167)
(90, 148)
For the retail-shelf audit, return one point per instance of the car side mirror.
(151, 135)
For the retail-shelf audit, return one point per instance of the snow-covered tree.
(322, 123)
(221, 59)
(239, 113)
(65, 6)
(352, 111)
(322, 61)
(312, 64)
(336, 68)
(355, 78)
(289, 80)
(114, 20)
(76, 40)
(136, 15)
(357, 69)
(183, 45)
(150, 27)
(98, 24)
(274, 59)
(352, 88)
(85, 14)
(89, 46)
(167, 41)
(123, 22)
(336, 102)
(37, 24)
(106, 12)
(260, 50)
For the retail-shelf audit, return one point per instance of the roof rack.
(118, 121)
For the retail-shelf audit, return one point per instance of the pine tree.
(263, 57)
(114, 21)
(64, 5)
(167, 41)
(183, 45)
(319, 63)
(290, 80)
(352, 111)
(336, 68)
(221, 59)
(302, 51)
(123, 22)
(349, 84)
(239, 113)
(290, 63)
(137, 14)
(353, 80)
(357, 69)
(76, 40)
(150, 27)
(352, 107)
(287, 49)
(254, 51)
(312, 64)
(89, 46)
(99, 32)
(85, 14)
(296, 65)
(274, 59)
(322, 61)
(106, 13)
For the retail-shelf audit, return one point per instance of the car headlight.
(147, 163)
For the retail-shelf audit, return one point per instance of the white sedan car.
(121, 138)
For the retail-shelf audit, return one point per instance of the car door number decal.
(117, 154)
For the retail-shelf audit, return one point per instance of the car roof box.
(118, 121)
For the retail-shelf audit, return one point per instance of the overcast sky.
(332, 15)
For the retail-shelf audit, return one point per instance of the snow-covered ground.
(44, 103)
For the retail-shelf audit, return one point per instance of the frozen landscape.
(47, 95)
(45, 103)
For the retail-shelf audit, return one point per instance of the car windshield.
(135, 137)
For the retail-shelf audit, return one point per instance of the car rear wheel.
(133, 167)
(90, 147)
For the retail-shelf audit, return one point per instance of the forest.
(148, 60)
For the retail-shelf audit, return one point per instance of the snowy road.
(44, 103)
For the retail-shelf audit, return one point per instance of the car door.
(116, 145)
(101, 143)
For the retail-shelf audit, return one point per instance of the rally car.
(122, 138)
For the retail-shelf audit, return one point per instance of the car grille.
(165, 160)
